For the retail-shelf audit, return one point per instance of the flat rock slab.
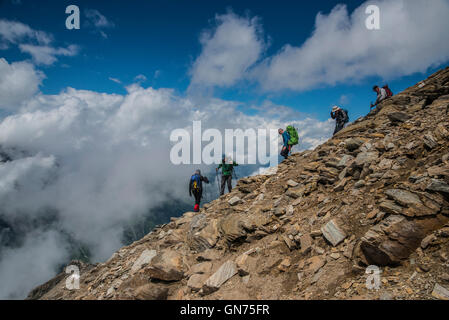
(144, 259)
(366, 157)
(398, 117)
(440, 292)
(438, 186)
(223, 274)
(403, 197)
(333, 233)
(234, 201)
(196, 281)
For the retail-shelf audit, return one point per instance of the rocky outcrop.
(375, 194)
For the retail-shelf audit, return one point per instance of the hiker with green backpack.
(290, 138)
(227, 168)
(341, 117)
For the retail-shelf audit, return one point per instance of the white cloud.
(19, 81)
(99, 21)
(34, 42)
(14, 32)
(99, 160)
(47, 55)
(115, 80)
(140, 78)
(227, 51)
(341, 49)
(32, 265)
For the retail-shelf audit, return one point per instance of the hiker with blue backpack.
(341, 117)
(196, 188)
(290, 138)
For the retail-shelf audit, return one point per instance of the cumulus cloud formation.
(97, 160)
(227, 51)
(36, 43)
(47, 55)
(340, 49)
(12, 32)
(19, 81)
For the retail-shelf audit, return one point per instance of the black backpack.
(346, 113)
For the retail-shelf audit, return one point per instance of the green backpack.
(294, 138)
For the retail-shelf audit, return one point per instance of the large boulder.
(167, 266)
(392, 240)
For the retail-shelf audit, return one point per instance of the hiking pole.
(218, 182)
(234, 174)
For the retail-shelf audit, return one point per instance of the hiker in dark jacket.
(226, 174)
(341, 118)
(285, 147)
(196, 188)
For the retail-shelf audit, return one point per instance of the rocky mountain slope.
(375, 194)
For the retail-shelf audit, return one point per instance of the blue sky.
(160, 39)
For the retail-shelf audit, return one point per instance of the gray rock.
(223, 274)
(295, 194)
(366, 158)
(359, 184)
(438, 186)
(196, 282)
(390, 207)
(292, 183)
(427, 240)
(345, 161)
(234, 201)
(144, 259)
(398, 117)
(430, 141)
(167, 266)
(403, 197)
(353, 144)
(440, 292)
(279, 211)
(333, 233)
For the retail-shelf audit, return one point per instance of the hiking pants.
(286, 151)
(198, 195)
(225, 179)
(340, 125)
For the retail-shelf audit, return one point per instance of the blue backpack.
(196, 182)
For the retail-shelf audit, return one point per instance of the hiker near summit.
(196, 188)
(341, 118)
(227, 168)
(290, 138)
(382, 94)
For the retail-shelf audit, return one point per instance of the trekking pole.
(218, 182)
(235, 175)
(205, 194)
